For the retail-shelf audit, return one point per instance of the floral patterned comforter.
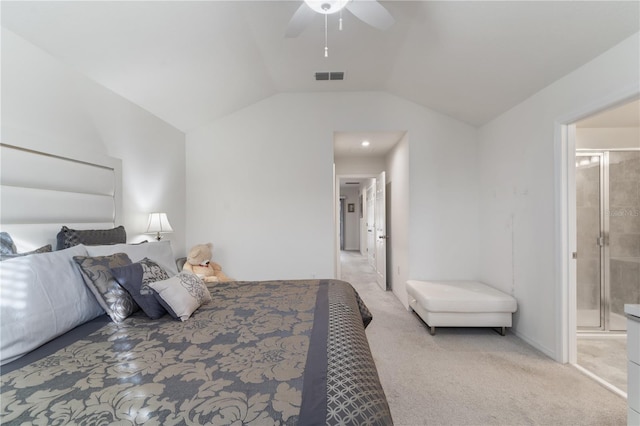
(260, 353)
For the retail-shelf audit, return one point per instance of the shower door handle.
(603, 240)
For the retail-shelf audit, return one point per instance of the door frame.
(565, 148)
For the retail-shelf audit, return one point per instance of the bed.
(265, 352)
(275, 352)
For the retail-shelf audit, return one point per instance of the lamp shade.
(158, 224)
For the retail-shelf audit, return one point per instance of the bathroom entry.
(608, 243)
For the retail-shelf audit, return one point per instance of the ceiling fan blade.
(372, 13)
(299, 21)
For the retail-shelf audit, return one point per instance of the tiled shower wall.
(624, 225)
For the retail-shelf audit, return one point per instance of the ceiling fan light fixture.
(327, 7)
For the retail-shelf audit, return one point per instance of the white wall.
(398, 244)
(359, 166)
(259, 187)
(351, 220)
(50, 107)
(607, 137)
(518, 210)
(268, 171)
(443, 200)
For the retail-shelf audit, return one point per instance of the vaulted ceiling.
(191, 62)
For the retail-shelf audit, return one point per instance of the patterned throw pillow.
(135, 278)
(43, 249)
(181, 294)
(114, 299)
(160, 251)
(90, 237)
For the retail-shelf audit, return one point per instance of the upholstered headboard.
(40, 192)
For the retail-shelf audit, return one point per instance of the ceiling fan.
(368, 11)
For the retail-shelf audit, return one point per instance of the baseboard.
(548, 352)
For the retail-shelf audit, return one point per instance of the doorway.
(603, 168)
(362, 225)
(360, 158)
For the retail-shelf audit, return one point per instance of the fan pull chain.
(326, 47)
(340, 21)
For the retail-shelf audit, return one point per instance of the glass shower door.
(590, 239)
(608, 237)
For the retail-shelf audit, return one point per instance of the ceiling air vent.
(334, 75)
(352, 183)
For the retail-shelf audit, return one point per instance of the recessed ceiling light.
(365, 143)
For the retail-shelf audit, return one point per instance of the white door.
(381, 232)
(371, 230)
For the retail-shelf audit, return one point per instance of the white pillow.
(182, 294)
(160, 252)
(41, 297)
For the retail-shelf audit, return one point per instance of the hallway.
(355, 268)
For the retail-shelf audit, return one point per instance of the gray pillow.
(160, 252)
(114, 299)
(51, 300)
(6, 244)
(89, 237)
(43, 249)
(181, 294)
(135, 278)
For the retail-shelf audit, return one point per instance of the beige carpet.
(467, 376)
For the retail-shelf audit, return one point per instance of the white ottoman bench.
(460, 304)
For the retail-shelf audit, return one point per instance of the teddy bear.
(199, 262)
